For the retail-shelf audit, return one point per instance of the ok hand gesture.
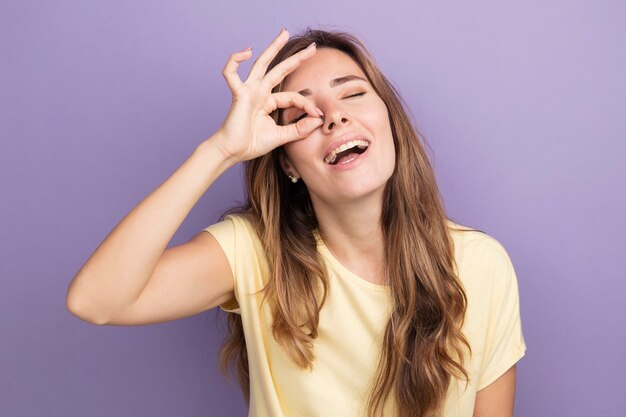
(248, 130)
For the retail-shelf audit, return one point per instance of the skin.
(347, 203)
(497, 399)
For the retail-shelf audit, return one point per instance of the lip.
(345, 138)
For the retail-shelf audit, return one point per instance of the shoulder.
(234, 224)
(236, 233)
(476, 243)
(480, 258)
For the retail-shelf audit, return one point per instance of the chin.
(353, 192)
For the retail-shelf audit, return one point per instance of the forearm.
(120, 268)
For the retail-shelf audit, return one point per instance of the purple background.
(523, 105)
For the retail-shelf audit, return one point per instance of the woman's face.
(355, 117)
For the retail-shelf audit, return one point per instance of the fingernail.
(281, 31)
(249, 48)
(320, 112)
(312, 44)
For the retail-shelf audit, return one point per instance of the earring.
(293, 179)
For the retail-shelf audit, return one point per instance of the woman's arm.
(121, 267)
(497, 398)
(131, 278)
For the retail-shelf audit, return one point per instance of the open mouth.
(346, 152)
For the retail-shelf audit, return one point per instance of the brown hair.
(423, 346)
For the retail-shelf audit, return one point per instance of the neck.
(352, 233)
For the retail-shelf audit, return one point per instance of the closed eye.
(298, 118)
(355, 95)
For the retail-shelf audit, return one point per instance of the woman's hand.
(248, 130)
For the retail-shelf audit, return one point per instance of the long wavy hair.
(423, 346)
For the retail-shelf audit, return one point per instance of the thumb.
(300, 130)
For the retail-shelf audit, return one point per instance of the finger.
(259, 68)
(299, 130)
(280, 71)
(230, 69)
(287, 99)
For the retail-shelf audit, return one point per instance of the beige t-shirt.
(351, 325)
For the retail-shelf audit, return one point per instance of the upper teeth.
(330, 158)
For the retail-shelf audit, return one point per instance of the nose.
(335, 119)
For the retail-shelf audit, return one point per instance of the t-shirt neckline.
(345, 272)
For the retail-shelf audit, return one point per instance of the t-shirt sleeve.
(504, 343)
(225, 234)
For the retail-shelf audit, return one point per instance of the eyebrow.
(335, 83)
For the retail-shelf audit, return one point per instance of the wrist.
(214, 147)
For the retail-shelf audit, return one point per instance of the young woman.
(351, 292)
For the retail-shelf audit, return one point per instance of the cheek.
(380, 123)
(383, 126)
(379, 117)
(297, 152)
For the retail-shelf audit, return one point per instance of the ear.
(287, 166)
